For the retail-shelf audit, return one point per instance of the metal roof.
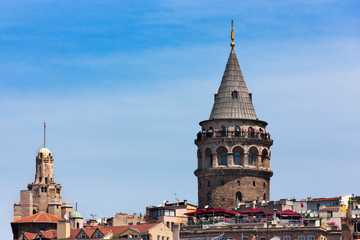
(233, 99)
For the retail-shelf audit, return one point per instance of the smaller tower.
(76, 220)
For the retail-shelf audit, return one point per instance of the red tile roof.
(39, 217)
(49, 233)
(30, 235)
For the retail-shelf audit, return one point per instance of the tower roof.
(45, 152)
(233, 99)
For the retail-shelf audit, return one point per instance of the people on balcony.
(237, 132)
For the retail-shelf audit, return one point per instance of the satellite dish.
(308, 211)
(311, 214)
(206, 206)
(164, 201)
(66, 216)
(353, 215)
(316, 213)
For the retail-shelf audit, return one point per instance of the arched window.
(223, 158)
(209, 197)
(264, 197)
(238, 182)
(209, 157)
(237, 158)
(238, 197)
(77, 225)
(250, 159)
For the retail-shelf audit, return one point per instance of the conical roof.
(233, 99)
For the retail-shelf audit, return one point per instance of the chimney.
(63, 229)
(185, 202)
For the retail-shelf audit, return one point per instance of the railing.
(232, 134)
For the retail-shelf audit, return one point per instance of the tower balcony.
(220, 133)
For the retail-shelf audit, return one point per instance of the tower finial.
(232, 44)
(44, 132)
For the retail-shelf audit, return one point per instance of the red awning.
(256, 211)
(288, 213)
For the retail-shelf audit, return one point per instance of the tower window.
(234, 94)
(238, 182)
(264, 197)
(211, 160)
(238, 197)
(222, 183)
(254, 183)
(237, 158)
(209, 197)
(250, 158)
(264, 185)
(223, 158)
(209, 184)
(46, 180)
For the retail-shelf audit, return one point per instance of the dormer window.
(234, 94)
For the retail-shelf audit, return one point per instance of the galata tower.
(233, 146)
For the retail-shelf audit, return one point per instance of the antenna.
(93, 215)
(44, 132)
(176, 198)
(76, 206)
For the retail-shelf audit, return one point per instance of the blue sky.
(122, 86)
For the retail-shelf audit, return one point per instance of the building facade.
(233, 146)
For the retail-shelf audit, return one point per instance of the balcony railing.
(233, 134)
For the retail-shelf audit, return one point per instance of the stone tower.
(233, 146)
(43, 195)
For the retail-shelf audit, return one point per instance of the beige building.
(122, 219)
(170, 214)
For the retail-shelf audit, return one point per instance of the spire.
(44, 132)
(233, 99)
(232, 44)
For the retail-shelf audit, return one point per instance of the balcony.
(233, 134)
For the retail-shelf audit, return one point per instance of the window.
(286, 238)
(329, 214)
(237, 158)
(163, 238)
(222, 183)
(168, 224)
(301, 237)
(250, 158)
(238, 197)
(209, 197)
(311, 237)
(317, 206)
(245, 238)
(234, 94)
(238, 182)
(46, 180)
(77, 225)
(264, 197)
(262, 238)
(209, 184)
(98, 235)
(264, 185)
(170, 212)
(237, 131)
(158, 237)
(211, 160)
(223, 158)
(254, 183)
